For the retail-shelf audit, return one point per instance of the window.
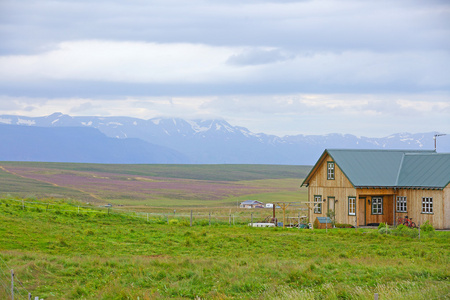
(317, 204)
(401, 204)
(330, 170)
(352, 206)
(377, 205)
(427, 205)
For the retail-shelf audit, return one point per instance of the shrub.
(381, 225)
(403, 230)
(427, 227)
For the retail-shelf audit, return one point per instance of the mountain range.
(60, 137)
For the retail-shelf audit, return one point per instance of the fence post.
(167, 219)
(252, 220)
(23, 204)
(147, 217)
(108, 210)
(12, 284)
(419, 229)
(229, 219)
(375, 297)
(191, 217)
(209, 218)
(29, 296)
(78, 209)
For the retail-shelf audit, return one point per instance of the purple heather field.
(116, 186)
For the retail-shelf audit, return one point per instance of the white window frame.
(318, 204)
(331, 170)
(352, 206)
(377, 205)
(401, 205)
(427, 205)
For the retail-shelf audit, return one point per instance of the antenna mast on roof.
(435, 137)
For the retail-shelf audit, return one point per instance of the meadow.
(154, 185)
(89, 255)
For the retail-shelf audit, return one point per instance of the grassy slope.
(97, 256)
(199, 172)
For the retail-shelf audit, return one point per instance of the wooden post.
(233, 220)
(273, 215)
(252, 220)
(23, 204)
(147, 217)
(419, 229)
(375, 297)
(209, 218)
(29, 296)
(229, 219)
(298, 220)
(191, 217)
(12, 284)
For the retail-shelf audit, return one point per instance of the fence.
(11, 286)
(184, 216)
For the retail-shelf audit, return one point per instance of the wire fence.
(184, 216)
(11, 287)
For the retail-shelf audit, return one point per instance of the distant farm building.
(364, 187)
(252, 204)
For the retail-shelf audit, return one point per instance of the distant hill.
(201, 141)
(78, 144)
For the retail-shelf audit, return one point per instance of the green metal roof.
(425, 170)
(391, 168)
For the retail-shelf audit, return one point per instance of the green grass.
(66, 255)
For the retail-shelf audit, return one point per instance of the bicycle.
(407, 222)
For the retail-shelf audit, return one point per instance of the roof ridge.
(400, 168)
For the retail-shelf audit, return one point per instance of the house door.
(331, 206)
(361, 211)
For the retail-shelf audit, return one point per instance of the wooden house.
(366, 187)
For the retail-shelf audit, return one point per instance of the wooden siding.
(446, 197)
(340, 188)
(414, 206)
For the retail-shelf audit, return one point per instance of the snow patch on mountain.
(25, 122)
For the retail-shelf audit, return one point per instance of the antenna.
(435, 138)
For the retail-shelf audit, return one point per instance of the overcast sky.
(362, 67)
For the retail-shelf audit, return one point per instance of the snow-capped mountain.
(217, 141)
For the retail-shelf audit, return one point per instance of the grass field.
(154, 185)
(70, 255)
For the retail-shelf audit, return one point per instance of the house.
(372, 186)
(251, 204)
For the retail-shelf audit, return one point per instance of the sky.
(283, 67)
